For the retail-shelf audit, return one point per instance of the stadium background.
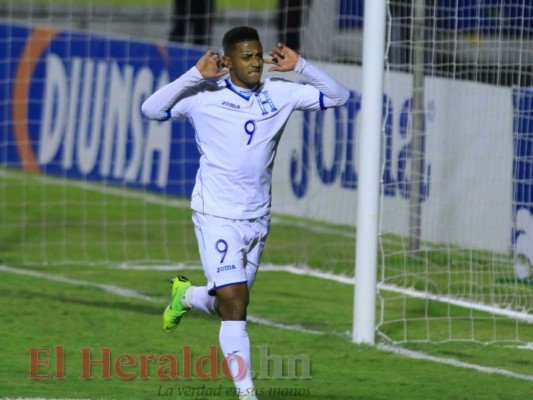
(54, 246)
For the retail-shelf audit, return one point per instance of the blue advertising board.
(70, 106)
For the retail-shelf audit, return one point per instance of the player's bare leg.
(232, 302)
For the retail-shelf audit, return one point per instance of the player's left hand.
(211, 65)
(283, 58)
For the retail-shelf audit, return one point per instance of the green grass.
(37, 313)
(61, 255)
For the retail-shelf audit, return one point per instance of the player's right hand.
(282, 59)
(211, 65)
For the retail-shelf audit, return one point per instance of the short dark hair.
(237, 35)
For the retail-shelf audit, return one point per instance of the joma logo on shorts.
(226, 268)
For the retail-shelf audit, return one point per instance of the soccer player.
(238, 122)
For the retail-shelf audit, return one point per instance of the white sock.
(197, 297)
(235, 345)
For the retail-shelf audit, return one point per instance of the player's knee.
(233, 302)
(232, 312)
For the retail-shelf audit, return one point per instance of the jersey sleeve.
(307, 97)
(331, 93)
(171, 100)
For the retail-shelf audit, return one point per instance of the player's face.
(246, 64)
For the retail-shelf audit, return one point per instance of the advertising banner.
(71, 107)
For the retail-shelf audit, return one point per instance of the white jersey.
(237, 133)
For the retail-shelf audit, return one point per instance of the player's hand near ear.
(211, 65)
(283, 58)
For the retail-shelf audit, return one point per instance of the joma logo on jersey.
(226, 268)
(231, 105)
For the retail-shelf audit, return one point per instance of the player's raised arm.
(158, 105)
(285, 59)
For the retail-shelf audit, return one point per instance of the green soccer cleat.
(175, 310)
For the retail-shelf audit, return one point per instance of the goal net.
(85, 179)
(457, 184)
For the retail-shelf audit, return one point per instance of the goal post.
(369, 173)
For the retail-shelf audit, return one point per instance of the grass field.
(299, 323)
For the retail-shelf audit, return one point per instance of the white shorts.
(230, 249)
